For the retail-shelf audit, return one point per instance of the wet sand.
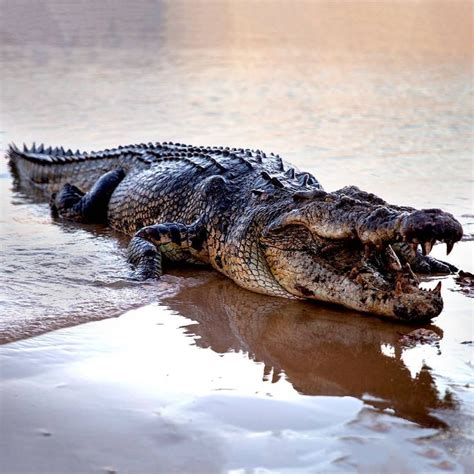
(214, 378)
(191, 373)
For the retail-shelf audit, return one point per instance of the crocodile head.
(345, 251)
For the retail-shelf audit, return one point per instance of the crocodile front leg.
(151, 243)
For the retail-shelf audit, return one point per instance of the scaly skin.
(269, 227)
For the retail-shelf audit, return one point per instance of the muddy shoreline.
(226, 379)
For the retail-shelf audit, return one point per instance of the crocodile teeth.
(437, 289)
(392, 259)
(409, 271)
(427, 246)
(449, 246)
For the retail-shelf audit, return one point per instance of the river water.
(191, 373)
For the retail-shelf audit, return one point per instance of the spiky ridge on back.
(48, 168)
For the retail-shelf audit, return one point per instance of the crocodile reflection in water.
(319, 349)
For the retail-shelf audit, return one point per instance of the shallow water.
(204, 376)
(214, 379)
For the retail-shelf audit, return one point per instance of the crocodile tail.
(47, 169)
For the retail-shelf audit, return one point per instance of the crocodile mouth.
(342, 272)
(352, 248)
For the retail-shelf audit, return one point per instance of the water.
(375, 95)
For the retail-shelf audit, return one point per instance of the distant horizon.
(417, 30)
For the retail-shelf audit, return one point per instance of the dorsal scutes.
(233, 163)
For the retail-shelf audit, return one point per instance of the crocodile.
(253, 217)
